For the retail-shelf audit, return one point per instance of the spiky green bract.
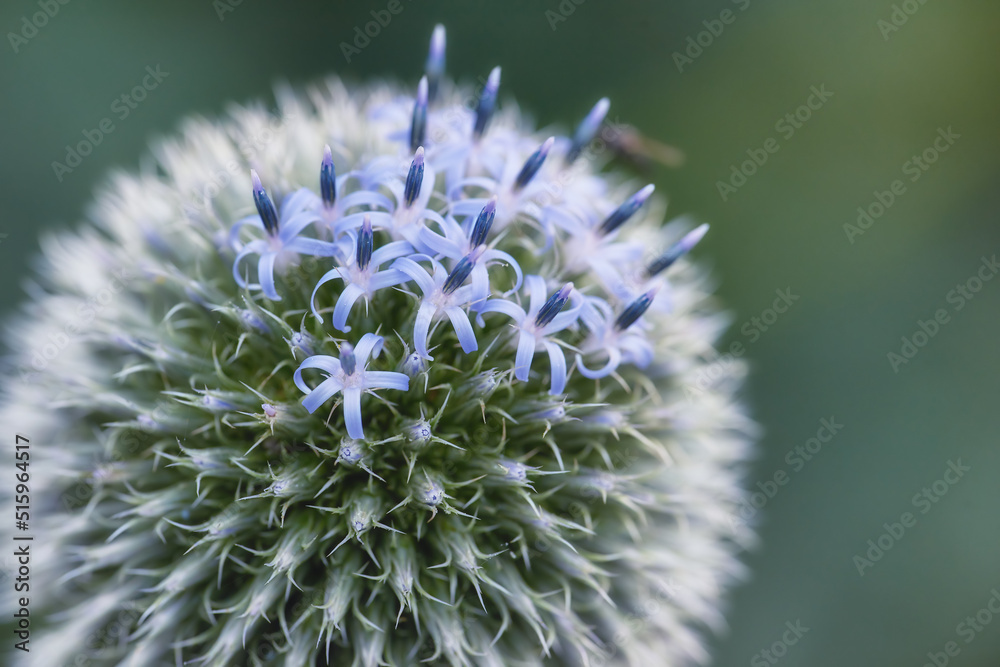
(188, 509)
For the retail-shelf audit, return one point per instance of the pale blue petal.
(386, 380)
(508, 308)
(293, 225)
(537, 292)
(499, 255)
(421, 327)
(298, 201)
(596, 313)
(370, 345)
(525, 351)
(352, 413)
(391, 251)
(614, 359)
(234, 233)
(312, 247)
(345, 302)
(332, 274)
(265, 274)
(365, 198)
(321, 361)
(321, 394)
(439, 245)
(463, 328)
(557, 361)
(480, 284)
(387, 278)
(416, 273)
(251, 248)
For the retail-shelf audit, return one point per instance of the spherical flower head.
(371, 404)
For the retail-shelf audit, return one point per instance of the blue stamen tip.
(676, 251)
(414, 178)
(553, 305)
(435, 62)
(328, 179)
(418, 128)
(461, 271)
(348, 362)
(265, 207)
(587, 129)
(621, 214)
(366, 240)
(634, 310)
(483, 223)
(487, 103)
(533, 164)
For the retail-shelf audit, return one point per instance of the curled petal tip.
(255, 179)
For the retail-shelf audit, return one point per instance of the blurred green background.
(784, 228)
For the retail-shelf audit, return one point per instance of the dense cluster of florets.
(434, 404)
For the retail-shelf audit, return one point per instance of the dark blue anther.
(418, 128)
(587, 129)
(265, 207)
(348, 362)
(435, 63)
(414, 178)
(484, 222)
(621, 214)
(676, 251)
(634, 310)
(366, 240)
(461, 271)
(487, 103)
(328, 179)
(553, 305)
(532, 165)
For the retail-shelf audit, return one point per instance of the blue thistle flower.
(243, 521)
(348, 376)
(538, 325)
(282, 236)
(361, 274)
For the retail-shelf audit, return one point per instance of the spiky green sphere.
(532, 471)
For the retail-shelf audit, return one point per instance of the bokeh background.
(858, 294)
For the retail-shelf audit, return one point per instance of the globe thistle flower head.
(406, 394)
